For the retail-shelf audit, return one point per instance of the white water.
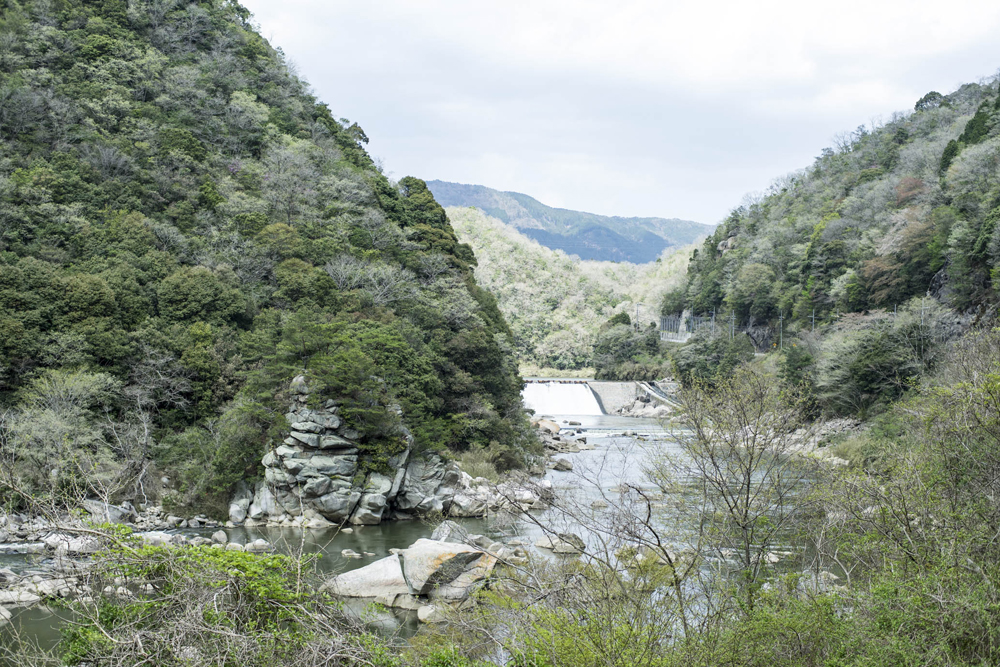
(559, 398)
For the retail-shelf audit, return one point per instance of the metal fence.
(680, 327)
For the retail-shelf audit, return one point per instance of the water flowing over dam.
(561, 398)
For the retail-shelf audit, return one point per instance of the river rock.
(263, 503)
(429, 486)
(314, 474)
(259, 545)
(107, 513)
(5, 617)
(430, 614)
(62, 543)
(369, 510)
(384, 577)
(449, 531)
(18, 598)
(568, 543)
(155, 538)
(239, 504)
(220, 537)
(548, 425)
(562, 465)
(400, 601)
(444, 570)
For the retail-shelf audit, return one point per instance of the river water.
(620, 445)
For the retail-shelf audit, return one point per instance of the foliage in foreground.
(908, 531)
(183, 606)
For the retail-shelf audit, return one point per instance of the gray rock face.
(240, 503)
(428, 486)
(314, 474)
(106, 513)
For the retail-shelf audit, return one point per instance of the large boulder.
(18, 598)
(337, 505)
(429, 486)
(103, 512)
(548, 426)
(369, 510)
(239, 505)
(263, 504)
(381, 579)
(444, 570)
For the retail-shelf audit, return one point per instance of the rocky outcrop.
(315, 479)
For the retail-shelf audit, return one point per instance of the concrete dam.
(592, 397)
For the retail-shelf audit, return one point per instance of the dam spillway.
(561, 398)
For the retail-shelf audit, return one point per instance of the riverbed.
(616, 458)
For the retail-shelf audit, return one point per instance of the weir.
(561, 398)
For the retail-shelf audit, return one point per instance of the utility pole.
(781, 330)
(814, 320)
(732, 325)
(713, 321)
(637, 317)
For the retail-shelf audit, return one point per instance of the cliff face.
(184, 228)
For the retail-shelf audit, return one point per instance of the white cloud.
(630, 106)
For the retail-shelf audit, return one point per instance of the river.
(620, 445)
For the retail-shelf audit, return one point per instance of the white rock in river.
(430, 614)
(18, 597)
(384, 577)
(444, 570)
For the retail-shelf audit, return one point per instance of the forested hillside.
(183, 229)
(586, 235)
(895, 211)
(557, 304)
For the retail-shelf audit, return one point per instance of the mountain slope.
(897, 212)
(587, 235)
(556, 304)
(184, 228)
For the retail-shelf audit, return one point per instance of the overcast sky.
(624, 107)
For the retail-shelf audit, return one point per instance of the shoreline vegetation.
(781, 547)
(215, 302)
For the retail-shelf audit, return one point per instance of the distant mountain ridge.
(587, 235)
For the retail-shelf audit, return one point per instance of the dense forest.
(896, 210)
(184, 227)
(557, 304)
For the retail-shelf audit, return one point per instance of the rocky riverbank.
(58, 552)
(318, 477)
